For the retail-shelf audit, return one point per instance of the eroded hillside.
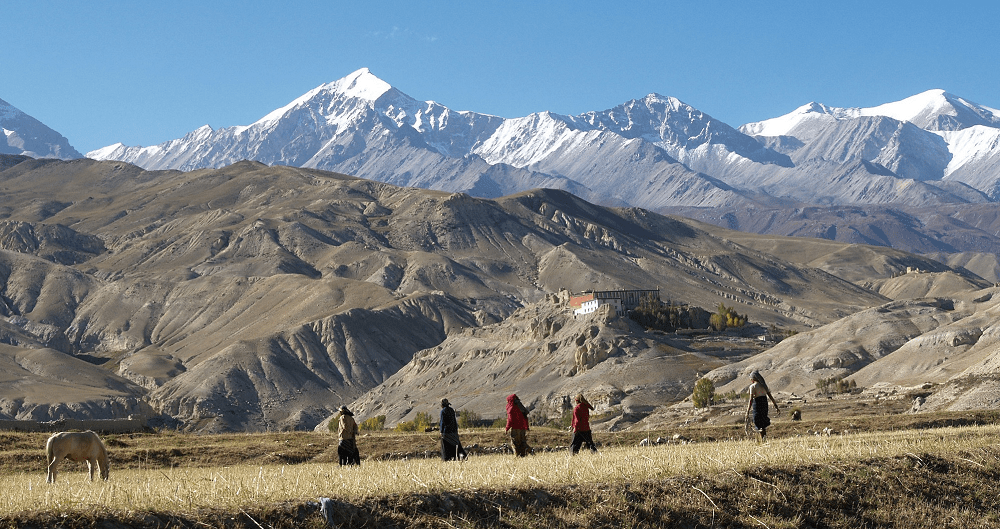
(254, 297)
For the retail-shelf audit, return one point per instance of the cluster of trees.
(420, 422)
(469, 419)
(373, 424)
(667, 317)
(726, 317)
(835, 385)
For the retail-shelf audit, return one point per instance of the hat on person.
(445, 403)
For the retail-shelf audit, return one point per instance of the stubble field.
(902, 471)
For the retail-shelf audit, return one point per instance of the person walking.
(347, 433)
(757, 404)
(517, 425)
(581, 426)
(451, 446)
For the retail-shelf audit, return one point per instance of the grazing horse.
(76, 446)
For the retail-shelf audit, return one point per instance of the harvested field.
(919, 471)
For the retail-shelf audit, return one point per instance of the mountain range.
(913, 164)
(255, 297)
(652, 152)
(184, 283)
(910, 166)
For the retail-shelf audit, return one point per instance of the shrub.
(334, 424)
(373, 423)
(468, 419)
(703, 392)
(419, 423)
(835, 385)
(731, 396)
(565, 420)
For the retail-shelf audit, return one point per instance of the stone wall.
(97, 425)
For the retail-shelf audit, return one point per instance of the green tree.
(704, 390)
(468, 419)
(726, 317)
(420, 423)
(373, 423)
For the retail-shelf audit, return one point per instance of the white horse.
(76, 446)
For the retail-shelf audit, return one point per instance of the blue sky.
(144, 72)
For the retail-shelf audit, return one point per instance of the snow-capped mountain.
(25, 135)
(655, 152)
(931, 137)
(362, 126)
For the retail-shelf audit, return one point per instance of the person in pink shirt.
(517, 425)
(581, 425)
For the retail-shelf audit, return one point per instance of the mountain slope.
(252, 297)
(25, 135)
(943, 344)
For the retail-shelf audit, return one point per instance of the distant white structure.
(592, 305)
(622, 300)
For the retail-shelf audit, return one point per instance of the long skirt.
(519, 439)
(451, 447)
(760, 419)
(348, 452)
(583, 439)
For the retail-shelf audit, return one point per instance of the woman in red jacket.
(581, 425)
(517, 425)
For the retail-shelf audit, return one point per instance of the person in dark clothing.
(581, 426)
(451, 446)
(517, 425)
(757, 405)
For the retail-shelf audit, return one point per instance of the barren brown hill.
(545, 355)
(942, 348)
(262, 298)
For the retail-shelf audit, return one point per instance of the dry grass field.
(899, 471)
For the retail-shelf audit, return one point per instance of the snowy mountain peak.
(362, 84)
(933, 110)
(25, 135)
(7, 111)
(931, 102)
(937, 110)
(782, 125)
